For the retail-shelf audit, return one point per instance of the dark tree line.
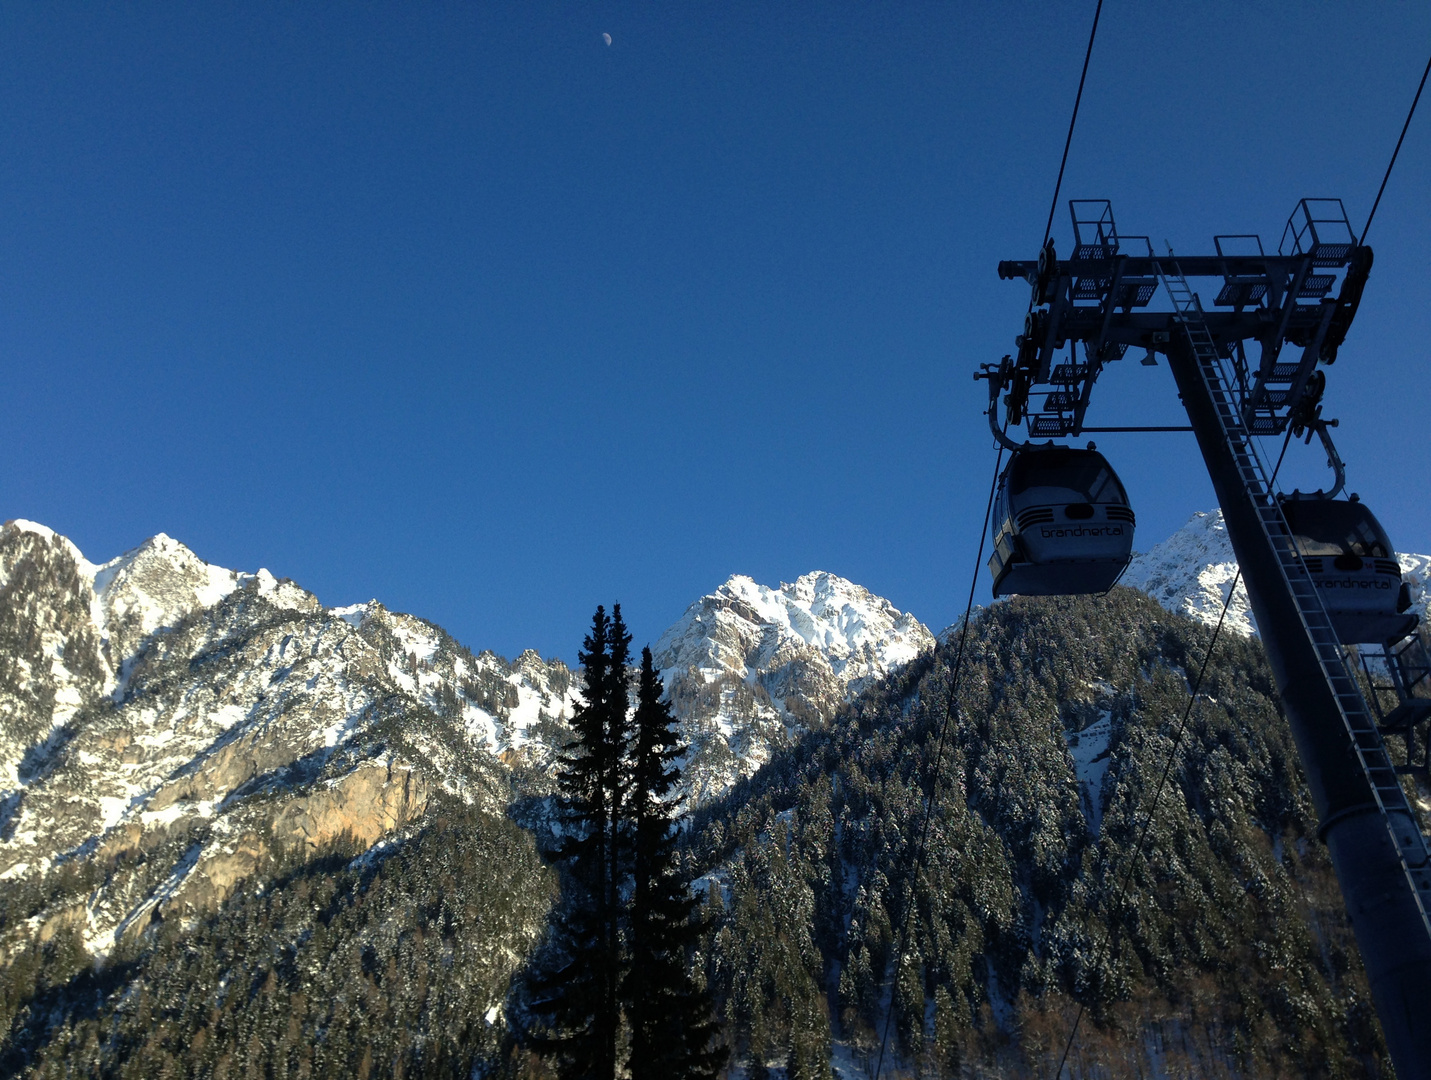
(612, 991)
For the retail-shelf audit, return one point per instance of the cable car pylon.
(1099, 299)
(1367, 823)
(1316, 620)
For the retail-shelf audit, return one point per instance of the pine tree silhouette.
(670, 1017)
(617, 776)
(622, 935)
(573, 985)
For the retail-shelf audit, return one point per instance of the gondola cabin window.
(1332, 527)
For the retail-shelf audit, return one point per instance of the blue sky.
(459, 307)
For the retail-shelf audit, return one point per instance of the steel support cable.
(933, 783)
(1389, 165)
(1067, 142)
(957, 668)
(1110, 943)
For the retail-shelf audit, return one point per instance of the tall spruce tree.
(574, 984)
(670, 1017)
(616, 783)
(622, 934)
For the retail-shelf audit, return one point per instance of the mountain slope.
(189, 751)
(187, 722)
(1231, 954)
(290, 834)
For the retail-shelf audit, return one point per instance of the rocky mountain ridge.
(202, 756)
(187, 724)
(171, 726)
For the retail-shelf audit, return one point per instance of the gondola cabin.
(1062, 524)
(1351, 560)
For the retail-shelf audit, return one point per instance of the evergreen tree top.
(657, 736)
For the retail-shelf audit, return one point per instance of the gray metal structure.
(1253, 366)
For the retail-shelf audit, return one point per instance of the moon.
(606, 38)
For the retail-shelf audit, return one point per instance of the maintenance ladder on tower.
(1381, 773)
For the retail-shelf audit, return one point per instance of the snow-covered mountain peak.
(820, 588)
(281, 592)
(158, 703)
(747, 666)
(856, 632)
(849, 615)
(50, 537)
(42, 531)
(154, 586)
(1191, 571)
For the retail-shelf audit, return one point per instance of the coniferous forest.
(788, 925)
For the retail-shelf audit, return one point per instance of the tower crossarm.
(1109, 298)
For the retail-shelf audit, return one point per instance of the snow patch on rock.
(1191, 571)
(1089, 750)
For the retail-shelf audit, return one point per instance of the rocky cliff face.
(50, 652)
(167, 727)
(748, 667)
